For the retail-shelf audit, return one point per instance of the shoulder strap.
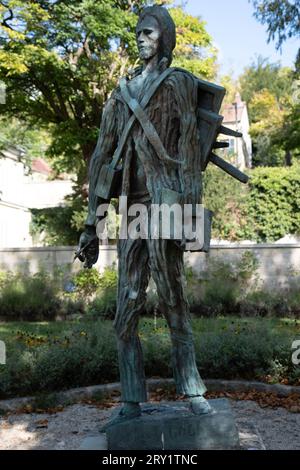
(146, 98)
(146, 124)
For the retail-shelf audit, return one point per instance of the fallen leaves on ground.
(264, 399)
(107, 400)
(41, 423)
(30, 408)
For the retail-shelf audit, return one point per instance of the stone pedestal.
(173, 426)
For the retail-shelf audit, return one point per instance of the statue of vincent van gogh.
(157, 133)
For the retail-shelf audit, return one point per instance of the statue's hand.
(90, 254)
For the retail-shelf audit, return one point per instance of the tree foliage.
(194, 50)
(232, 87)
(61, 59)
(282, 18)
(273, 203)
(59, 67)
(226, 198)
(264, 211)
(264, 75)
(270, 92)
(55, 226)
(33, 140)
(267, 121)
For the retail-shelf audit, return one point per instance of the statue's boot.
(200, 406)
(129, 411)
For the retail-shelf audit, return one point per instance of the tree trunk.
(288, 158)
(83, 176)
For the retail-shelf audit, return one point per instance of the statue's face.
(148, 34)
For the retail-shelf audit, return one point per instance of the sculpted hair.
(167, 27)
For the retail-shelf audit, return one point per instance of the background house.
(21, 189)
(236, 117)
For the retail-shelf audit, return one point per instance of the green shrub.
(292, 296)
(264, 211)
(29, 297)
(59, 225)
(72, 307)
(226, 197)
(273, 203)
(223, 286)
(271, 303)
(109, 278)
(237, 352)
(87, 281)
(85, 353)
(104, 305)
(82, 356)
(105, 302)
(40, 296)
(157, 348)
(4, 277)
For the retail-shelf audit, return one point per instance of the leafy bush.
(264, 211)
(4, 275)
(233, 289)
(72, 307)
(224, 288)
(104, 305)
(33, 297)
(227, 198)
(109, 278)
(85, 353)
(29, 297)
(271, 303)
(53, 226)
(237, 352)
(273, 203)
(87, 281)
(105, 302)
(224, 284)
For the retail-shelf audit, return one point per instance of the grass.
(274, 325)
(45, 357)
(9, 330)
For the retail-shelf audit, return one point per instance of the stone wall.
(279, 265)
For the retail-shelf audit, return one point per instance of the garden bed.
(47, 357)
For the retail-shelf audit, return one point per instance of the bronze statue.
(157, 133)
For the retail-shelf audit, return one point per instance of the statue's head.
(156, 33)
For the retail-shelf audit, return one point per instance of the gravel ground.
(65, 430)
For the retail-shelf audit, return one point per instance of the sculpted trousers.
(138, 259)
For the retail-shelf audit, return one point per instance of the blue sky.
(238, 35)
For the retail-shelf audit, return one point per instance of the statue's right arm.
(106, 145)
